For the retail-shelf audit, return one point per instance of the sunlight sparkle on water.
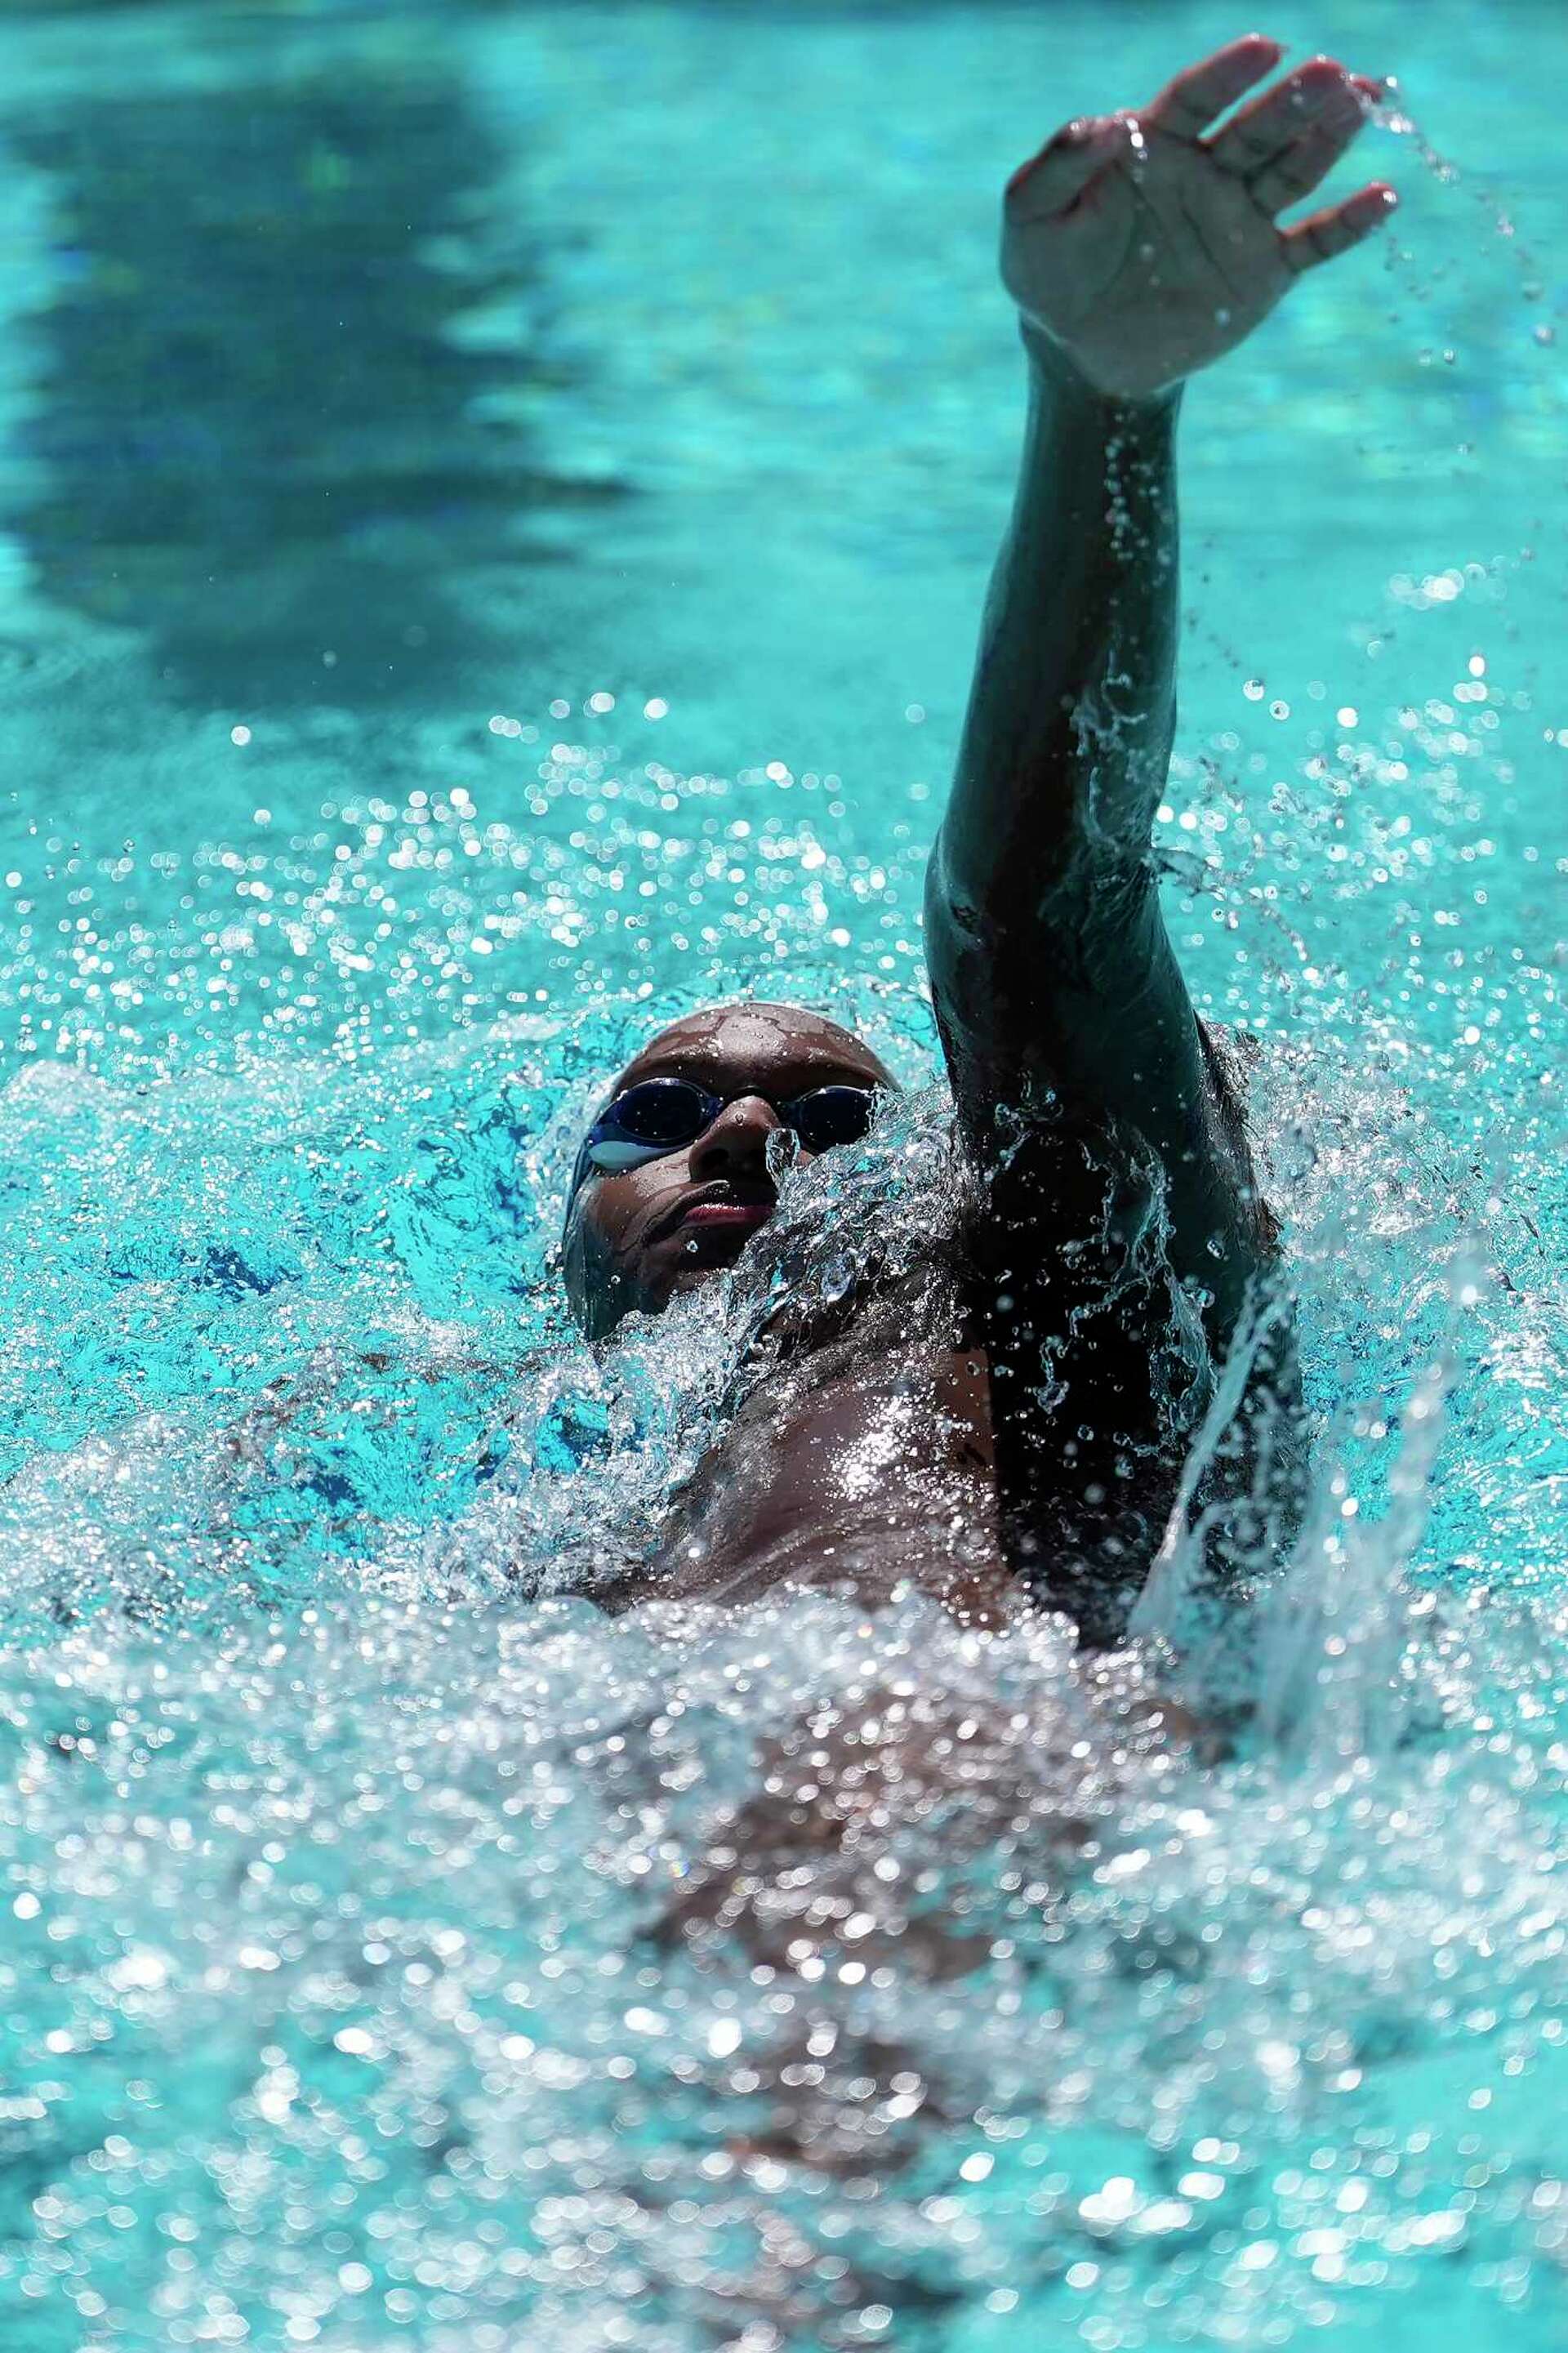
(396, 1953)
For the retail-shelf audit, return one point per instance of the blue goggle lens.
(830, 1115)
(660, 1116)
(663, 1112)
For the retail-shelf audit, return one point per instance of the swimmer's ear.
(575, 1276)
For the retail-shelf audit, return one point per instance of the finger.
(1337, 227)
(1194, 98)
(1064, 167)
(1296, 172)
(1318, 92)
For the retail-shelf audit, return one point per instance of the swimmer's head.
(674, 1174)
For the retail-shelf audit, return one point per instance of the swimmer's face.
(638, 1235)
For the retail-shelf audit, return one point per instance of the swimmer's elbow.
(1085, 918)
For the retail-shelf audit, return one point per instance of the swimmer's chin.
(691, 1273)
(713, 1250)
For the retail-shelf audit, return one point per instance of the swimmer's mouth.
(716, 1210)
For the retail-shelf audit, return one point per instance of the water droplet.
(1544, 334)
(1254, 690)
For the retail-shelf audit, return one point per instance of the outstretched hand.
(1141, 245)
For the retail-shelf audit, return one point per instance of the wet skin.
(864, 1459)
(1021, 1431)
(645, 1234)
(907, 1442)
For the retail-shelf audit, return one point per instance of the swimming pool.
(495, 504)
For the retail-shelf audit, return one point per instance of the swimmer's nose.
(736, 1145)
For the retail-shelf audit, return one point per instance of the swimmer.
(1024, 1439)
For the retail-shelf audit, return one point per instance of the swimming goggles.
(661, 1115)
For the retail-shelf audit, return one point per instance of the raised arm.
(1139, 247)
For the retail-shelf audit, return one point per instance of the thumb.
(1063, 168)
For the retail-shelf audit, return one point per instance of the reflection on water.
(281, 425)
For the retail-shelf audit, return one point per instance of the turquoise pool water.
(493, 507)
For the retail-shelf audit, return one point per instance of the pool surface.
(494, 506)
